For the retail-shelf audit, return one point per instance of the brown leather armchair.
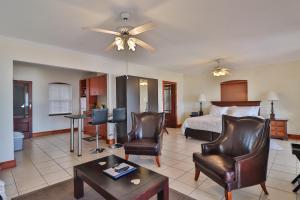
(239, 157)
(146, 135)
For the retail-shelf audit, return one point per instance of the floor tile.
(278, 195)
(181, 187)
(47, 160)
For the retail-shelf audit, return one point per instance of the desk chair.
(99, 116)
(119, 116)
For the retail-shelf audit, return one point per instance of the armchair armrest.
(211, 147)
(131, 135)
(251, 164)
(159, 136)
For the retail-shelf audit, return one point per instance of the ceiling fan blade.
(143, 44)
(110, 46)
(141, 29)
(102, 31)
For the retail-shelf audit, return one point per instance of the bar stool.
(119, 116)
(99, 116)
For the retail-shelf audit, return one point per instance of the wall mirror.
(144, 95)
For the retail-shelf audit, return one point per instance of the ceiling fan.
(220, 71)
(126, 35)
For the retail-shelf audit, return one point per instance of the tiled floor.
(47, 160)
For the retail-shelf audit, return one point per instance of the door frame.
(29, 102)
(174, 100)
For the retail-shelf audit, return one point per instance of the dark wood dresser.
(278, 128)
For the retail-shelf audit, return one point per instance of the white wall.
(41, 76)
(15, 49)
(282, 78)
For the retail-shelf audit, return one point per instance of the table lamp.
(201, 99)
(272, 96)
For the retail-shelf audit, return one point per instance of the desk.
(72, 119)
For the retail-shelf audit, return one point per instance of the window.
(60, 99)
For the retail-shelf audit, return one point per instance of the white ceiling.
(189, 33)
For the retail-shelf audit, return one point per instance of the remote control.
(123, 169)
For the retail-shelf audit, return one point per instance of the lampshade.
(272, 96)
(202, 97)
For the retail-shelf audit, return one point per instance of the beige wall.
(41, 76)
(282, 78)
(12, 49)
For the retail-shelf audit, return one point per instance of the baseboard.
(294, 136)
(178, 125)
(8, 164)
(53, 132)
(110, 141)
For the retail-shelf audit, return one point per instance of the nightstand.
(278, 128)
(194, 114)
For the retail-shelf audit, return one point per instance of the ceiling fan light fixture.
(220, 71)
(119, 43)
(131, 44)
(125, 36)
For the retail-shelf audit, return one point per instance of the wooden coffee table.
(92, 173)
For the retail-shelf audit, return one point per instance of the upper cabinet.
(97, 85)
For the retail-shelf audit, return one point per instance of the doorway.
(22, 100)
(170, 103)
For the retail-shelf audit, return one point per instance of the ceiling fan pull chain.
(126, 56)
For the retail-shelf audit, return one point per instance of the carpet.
(64, 191)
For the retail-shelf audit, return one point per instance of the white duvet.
(206, 123)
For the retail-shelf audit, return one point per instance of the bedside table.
(194, 114)
(278, 129)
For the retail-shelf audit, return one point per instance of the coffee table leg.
(78, 187)
(164, 193)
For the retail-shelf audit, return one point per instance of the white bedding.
(206, 123)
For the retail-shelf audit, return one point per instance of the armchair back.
(147, 124)
(243, 135)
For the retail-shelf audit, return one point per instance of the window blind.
(60, 98)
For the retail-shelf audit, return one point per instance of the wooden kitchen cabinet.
(278, 128)
(97, 85)
(92, 88)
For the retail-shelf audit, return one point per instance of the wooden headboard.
(235, 103)
(234, 90)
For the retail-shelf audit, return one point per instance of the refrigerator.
(82, 105)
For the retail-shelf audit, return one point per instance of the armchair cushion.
(221, 164)
(145, 146)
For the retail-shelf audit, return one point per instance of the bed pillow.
(241, 111)
(218, 111)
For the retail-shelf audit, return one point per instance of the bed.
(208, 127)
